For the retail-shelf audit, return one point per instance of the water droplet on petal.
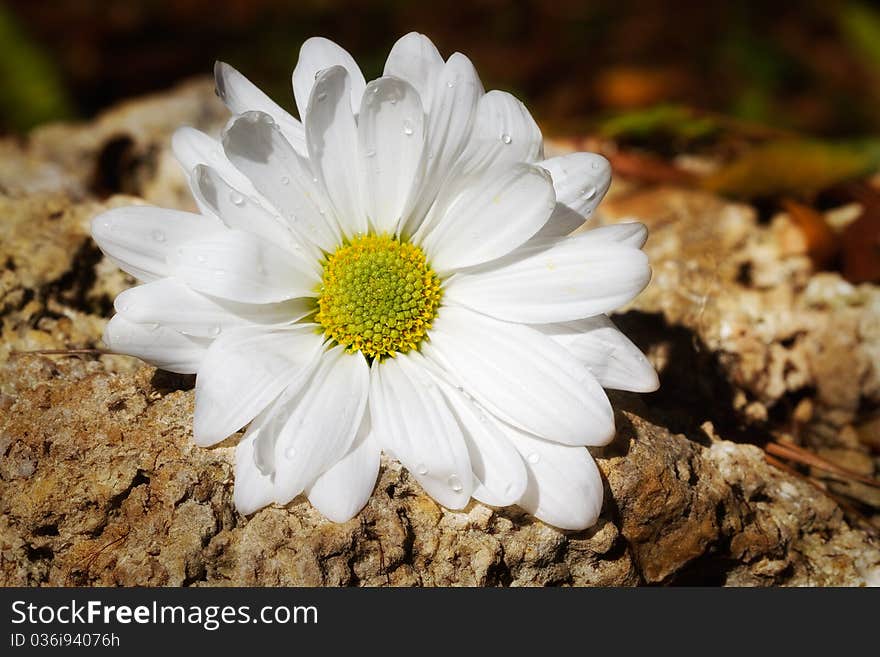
(370, 153)
(534, 458)
(158, 236)
(285, 180)
(506, 138)
(595, 164)
(588, 192)
(236, 198)
(422, 469)
(394, 101)
(152, 327)
(407, 128)
(322, 97)
(215, 331)
(454, 483)
(508, 489)
(450, 83)
(290, 452)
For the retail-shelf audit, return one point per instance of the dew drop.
(158, 236)
(450, 84)
(322, 97)
(236, 198)
(588, 192)
(215, 331)
(394, 101)
(534, 458)
(407, 128)
(508, 489)
(595, 164)
(290, 452)
(152, 327)
(454, 483)
(370, 153)
(422, 469)
(506, 138)
(285, 180)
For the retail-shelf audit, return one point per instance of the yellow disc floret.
(378, 296)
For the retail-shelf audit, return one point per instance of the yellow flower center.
(378, 296)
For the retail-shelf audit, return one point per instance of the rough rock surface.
(100, 483)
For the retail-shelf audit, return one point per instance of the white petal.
(240, 266)
(413, 421)
(578, 276)
(161, 346)
(630, 233)
(326, 417)
(192, 147)
(239, 211)
(331, 134)
(253, 489)
(565, 487)
(490, 218)
(241, 95)
(257, 148)
(244, 370)
(316, 55)
(456, 91)
(344, 489)
(414, 58)
(612, 358)
(171, 303)
(521, 376)
(580, 179)
(561, 223)
(499, 471)
(391, 134)
(504, 133)
(139, 238)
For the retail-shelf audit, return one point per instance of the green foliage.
(31, 91)
(860, 25)
(678, 123)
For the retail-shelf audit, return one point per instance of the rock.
(775, 330)
(100, 483)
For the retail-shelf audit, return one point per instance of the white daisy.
(391, 274)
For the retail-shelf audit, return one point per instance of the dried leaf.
(822, 243)
(794, 168)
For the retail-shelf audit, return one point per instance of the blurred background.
(811, 66)
(774, 103)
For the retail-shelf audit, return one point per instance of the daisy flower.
(393, 272)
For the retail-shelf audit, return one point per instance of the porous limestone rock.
(100, 483)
